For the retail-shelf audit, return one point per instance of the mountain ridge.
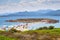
(36, 13)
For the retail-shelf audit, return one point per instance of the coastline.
(34, 20)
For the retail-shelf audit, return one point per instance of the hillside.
(36, 13)
(52, 34)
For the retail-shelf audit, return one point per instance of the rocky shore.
(34, 20)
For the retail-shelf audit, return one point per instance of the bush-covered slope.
(6, 38)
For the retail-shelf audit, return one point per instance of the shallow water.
(32, 25)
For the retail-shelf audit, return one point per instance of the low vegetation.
(42, 33)
(42, 28)
(6, 38)
(13, 30)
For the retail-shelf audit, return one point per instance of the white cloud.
(22, 5)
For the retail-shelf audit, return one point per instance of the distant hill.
(36, 13)
(53, 13)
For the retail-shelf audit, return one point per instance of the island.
(31, 20)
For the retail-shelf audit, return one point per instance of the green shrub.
(6, 38)
(42, 28)
(14, 30)
(45, 27)
(51, 27)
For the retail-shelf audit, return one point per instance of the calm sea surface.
(36, 25)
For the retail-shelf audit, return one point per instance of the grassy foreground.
(50, 34)
(6, 38)
(52, 31)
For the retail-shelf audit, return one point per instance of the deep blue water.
(3, 19)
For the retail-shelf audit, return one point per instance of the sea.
(31, 25)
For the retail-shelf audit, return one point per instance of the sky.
(10, 6)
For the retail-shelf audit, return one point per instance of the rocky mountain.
(36, 13)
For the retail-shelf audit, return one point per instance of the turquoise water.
(36, 25)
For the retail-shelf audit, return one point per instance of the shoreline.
(31, 20)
